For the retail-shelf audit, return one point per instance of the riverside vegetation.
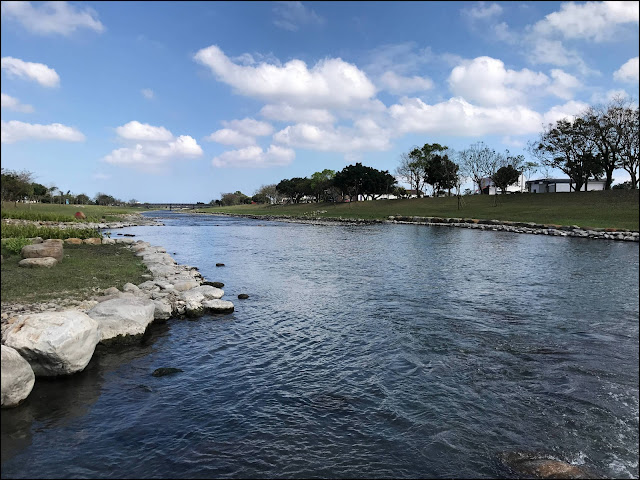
(597, 209)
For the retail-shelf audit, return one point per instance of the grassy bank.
(30, 231)
(606, 209)
(83, 268)
(63, 213)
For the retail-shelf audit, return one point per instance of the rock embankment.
(130, 220)
(473, 223)
(51, 340)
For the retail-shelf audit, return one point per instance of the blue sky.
(183, 101)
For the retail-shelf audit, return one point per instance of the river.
(396, 351)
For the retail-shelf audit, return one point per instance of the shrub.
(14, 245)
(29, 231)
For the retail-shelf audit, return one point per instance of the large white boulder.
(209, 292)
(17, 378)
(163, 309)
(124, 318)
(54, 343)
(44, 262)
(45, 249)
(193, 303)
(184, 285)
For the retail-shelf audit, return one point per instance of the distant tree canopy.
(505, 176)
(16, 186)
(236, 198)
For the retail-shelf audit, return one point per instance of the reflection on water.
(362, 351)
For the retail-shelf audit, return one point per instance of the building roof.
(560, 180)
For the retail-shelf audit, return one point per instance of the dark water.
(369, 351)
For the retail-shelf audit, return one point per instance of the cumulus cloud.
(151, 148)
(366, 135)
(135, 130)
(485, 80)
(591, 20)
(627, 72)
(330, 82)
(51, 18)
(482, 11)
(15, 131)
(563, 84)
(14, 104)
(286, 113)
(400, 85)
(458, 117)
(241, 133)
(255, 157)
(38, 72)
(568, 110)
(553, 52)
(147, 93)
(293, 15)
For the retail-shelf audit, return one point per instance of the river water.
(395, 351)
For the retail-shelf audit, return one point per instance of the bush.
(30, 231)
(14, 245)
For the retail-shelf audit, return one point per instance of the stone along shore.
(62, 341)
(491, 225)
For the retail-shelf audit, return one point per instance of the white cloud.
(607, 96)
(135, 130)
(401, 58)
(482, 11)
(14, 104)
(241, 133)
(399, 84)
(255, 157)
(101, 176)
(147, 93)
(628, 72)
(250, 126)
(563, 84)
(39, 72)
(151, 148)
(287, 113)
(228, 136)
(331, 82)
(366, 135)
(293, 15)
(553, 52)
(512, 142)
(51, 17)
(15, 131)
(460, 118)
(591, 20)
(485, 80)
(568, 110)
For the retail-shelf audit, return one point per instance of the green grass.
(83, 268)
(605, 209)
(63, 213)
(30, 231)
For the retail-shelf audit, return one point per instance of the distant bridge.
(175, 206)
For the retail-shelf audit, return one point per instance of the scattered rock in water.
(219, 264)
(214, 284)
(161, 372)
(129, 235)
(539, 465)
(243, 296)
(17, 378)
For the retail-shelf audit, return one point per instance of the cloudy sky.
(182, 101)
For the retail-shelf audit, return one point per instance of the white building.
(556, 185)
(488, 186)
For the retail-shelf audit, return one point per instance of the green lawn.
(63, 213)
(605, 209)
(83, 268)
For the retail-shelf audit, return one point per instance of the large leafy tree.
(321, 183)
(442, 173)
(479, 162)
(358, 179)
(505, 176)
(295, 188)
(16, 185)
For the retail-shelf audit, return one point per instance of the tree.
(320, 184)
(270, 192)
(630, 145)
(358, 179)
(83, 199)
(410, 170)
(39, 191)
(104, 199)
(295, 188)
(441, 173)
(16, 185)
(504, 177)
(478, 162)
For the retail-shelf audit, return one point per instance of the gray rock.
(218, 306)
(46, 262)
(123, 319)
(54, 343)
(535, 465)
(184, 285)
(193, 303)
(161, 372)
(130, 288)
(163, 309)
(243, 296)
(17, 378)
(111, 291)
(108, 241)
(41, 250)
(209, 292)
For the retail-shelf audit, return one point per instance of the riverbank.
(617, 209)
(478, 224)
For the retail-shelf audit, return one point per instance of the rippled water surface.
(363, 351)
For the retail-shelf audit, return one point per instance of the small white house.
(489, 187)
(557, 185)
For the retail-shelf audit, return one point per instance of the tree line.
(18, 186)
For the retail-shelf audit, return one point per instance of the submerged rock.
(214, 284)
(218, 306)
(219, 264)
(161, 372)
(537, 465)
(243, 296)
